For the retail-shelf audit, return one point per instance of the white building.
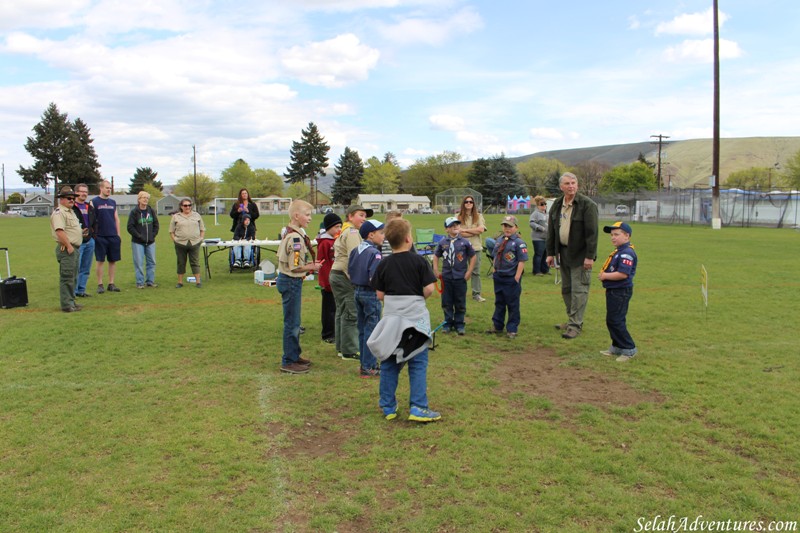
(381, 203)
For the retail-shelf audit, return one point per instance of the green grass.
(163, 409)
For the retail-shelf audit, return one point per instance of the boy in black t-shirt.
(403, 281)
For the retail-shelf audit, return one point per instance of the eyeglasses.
(468, 202)
(542, 204)
(186, 205)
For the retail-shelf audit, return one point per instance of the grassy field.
(163, 409)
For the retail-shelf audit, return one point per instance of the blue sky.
(414, 77)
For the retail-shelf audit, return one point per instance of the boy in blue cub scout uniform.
(510, 255)
(362, 264)
(617, 277)
(458, 261)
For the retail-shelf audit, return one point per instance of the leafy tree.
(643, 159)
(435, 173)
(629, 178)
(238, 175)
(552, 183)
(791, 176)
(155, 193)
(15, 198)
(348, 173)
(496, 178)
(309, 157)
(381, 177)
(589, 175)
(297, 190)
(62, 152)
(206, 188)
(533, 173)
(752, 178)
(142, 177)
(266, 182)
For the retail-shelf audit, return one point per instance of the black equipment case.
(13, 290)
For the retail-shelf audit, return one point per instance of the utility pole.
(716, 221)
(660, 138)
(5, 206)
(194, 162)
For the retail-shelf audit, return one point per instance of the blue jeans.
(368, 309)
(454, 303)
(85, 257)
(144, 253)
(540, 258)
(506, 296)
(616, 319)
(291, 290)
(243, 253)
(417, 378)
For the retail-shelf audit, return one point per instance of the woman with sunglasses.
(186, 229)
(472, 225)
(244, 206)
(538, 222)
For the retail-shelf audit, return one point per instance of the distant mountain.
(688, 163)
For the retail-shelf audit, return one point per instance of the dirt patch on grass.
(541, 373)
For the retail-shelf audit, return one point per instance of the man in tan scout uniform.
(66, 230)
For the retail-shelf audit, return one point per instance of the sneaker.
(178, 285)
(302, 330)
(610, 351)
(493, 331)
(571, 333)
(77, 307)
(370, 372)
(446, 330)
(389, 413)
(138, 286)
(151, 284)
(329, 340)
(294, 368)
(511, 335)
(350, 356)
(71, 309)
(100, 289)
(113, 288)
(624, 358)
(460, 331)
(478, 298)
(246, 264)
(83, 295)
(199, 285)
(237, 264)
(304, 362)
(564, 326)
(418, 414)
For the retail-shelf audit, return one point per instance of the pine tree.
(496, 178)
(62, 152)
(347, 178)
(309, 157)
(142, 177)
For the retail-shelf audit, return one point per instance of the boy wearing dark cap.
(510, 254)
(458, 260)
(362, 265)
(617, 277)
(332, 227)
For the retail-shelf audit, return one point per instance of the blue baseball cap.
(369, 226)
(619, 225)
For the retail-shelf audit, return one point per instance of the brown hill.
(688, 163)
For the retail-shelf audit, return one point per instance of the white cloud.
(40, 13)
(701, 51)
(546, 133)
(446, 122)
(332, 63)
(701, 23)
(432, 31)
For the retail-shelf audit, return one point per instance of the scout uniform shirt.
(509, 252)
(456, 254)
(63, 218)
(624, 260)
(345, 243)
(293, 252)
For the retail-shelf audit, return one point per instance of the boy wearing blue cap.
(361, 266)
(617, 277)
(458, 261)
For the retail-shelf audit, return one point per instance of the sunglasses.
(186, 205)
(468, 202)
(542, 204)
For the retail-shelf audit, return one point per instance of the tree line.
(63, 154)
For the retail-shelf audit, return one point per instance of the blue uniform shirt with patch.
(362, 263)
(456, 254)
(624, 260)
(510, 255)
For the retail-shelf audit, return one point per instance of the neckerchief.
(611, 256)
(306, 239)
